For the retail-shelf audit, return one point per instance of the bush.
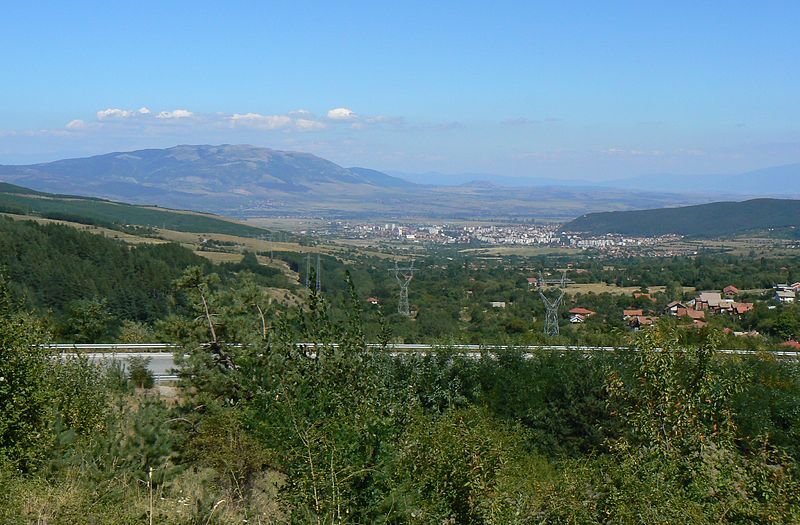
(139, 372)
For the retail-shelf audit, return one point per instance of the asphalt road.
(162, 363)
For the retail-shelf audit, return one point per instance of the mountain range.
(242, 180)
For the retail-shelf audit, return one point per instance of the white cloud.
(114, 113)
(272, 122)
(175, 114)
(76, 124)
(342, 114)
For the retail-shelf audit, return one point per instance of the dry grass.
(220, 257)
(599, 288)
(97, 230)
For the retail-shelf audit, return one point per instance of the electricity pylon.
(403, 276)
(551, 305)
(319, 273)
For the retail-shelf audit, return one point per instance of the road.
(162, 361)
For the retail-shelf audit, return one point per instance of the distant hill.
(223, 172)
(703, 220)
(87, 210)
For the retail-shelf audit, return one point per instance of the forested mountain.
(704, 220)
(71, 273)
(100, 212)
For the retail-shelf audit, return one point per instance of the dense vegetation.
(114, 215)
(267, 432)
(703, 220)
(89, 286)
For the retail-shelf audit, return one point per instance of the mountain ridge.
(701, 220)
(193, 169)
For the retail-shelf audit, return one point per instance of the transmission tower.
(308, 270)
(319, 272)
(403, 276)
(551, 305)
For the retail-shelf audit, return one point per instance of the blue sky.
(589, 90)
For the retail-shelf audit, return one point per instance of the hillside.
(86, 210)
(225, 171)
(704, 220)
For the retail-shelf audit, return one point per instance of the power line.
(404, 276)
(308, 269)
(319, 272)
(551, 305)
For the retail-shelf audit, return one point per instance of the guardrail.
(163, 352)
(122, 348)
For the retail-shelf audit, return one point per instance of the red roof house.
(691, 314)
(632, 313)
(741, 308)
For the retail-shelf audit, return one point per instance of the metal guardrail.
(165, 351)
(135, 348)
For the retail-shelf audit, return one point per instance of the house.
(725, 305)
(791, 343)
(585, 312)
(730, 290)
(796, 287)
(708, 301)
(691, 314)
(785, 296)
(741, 308)
(532, 282)
(577, 318)
(630, 314)
(373, 300)
(642, 295)
(497, 304)
(673, 307)
(697, 323)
